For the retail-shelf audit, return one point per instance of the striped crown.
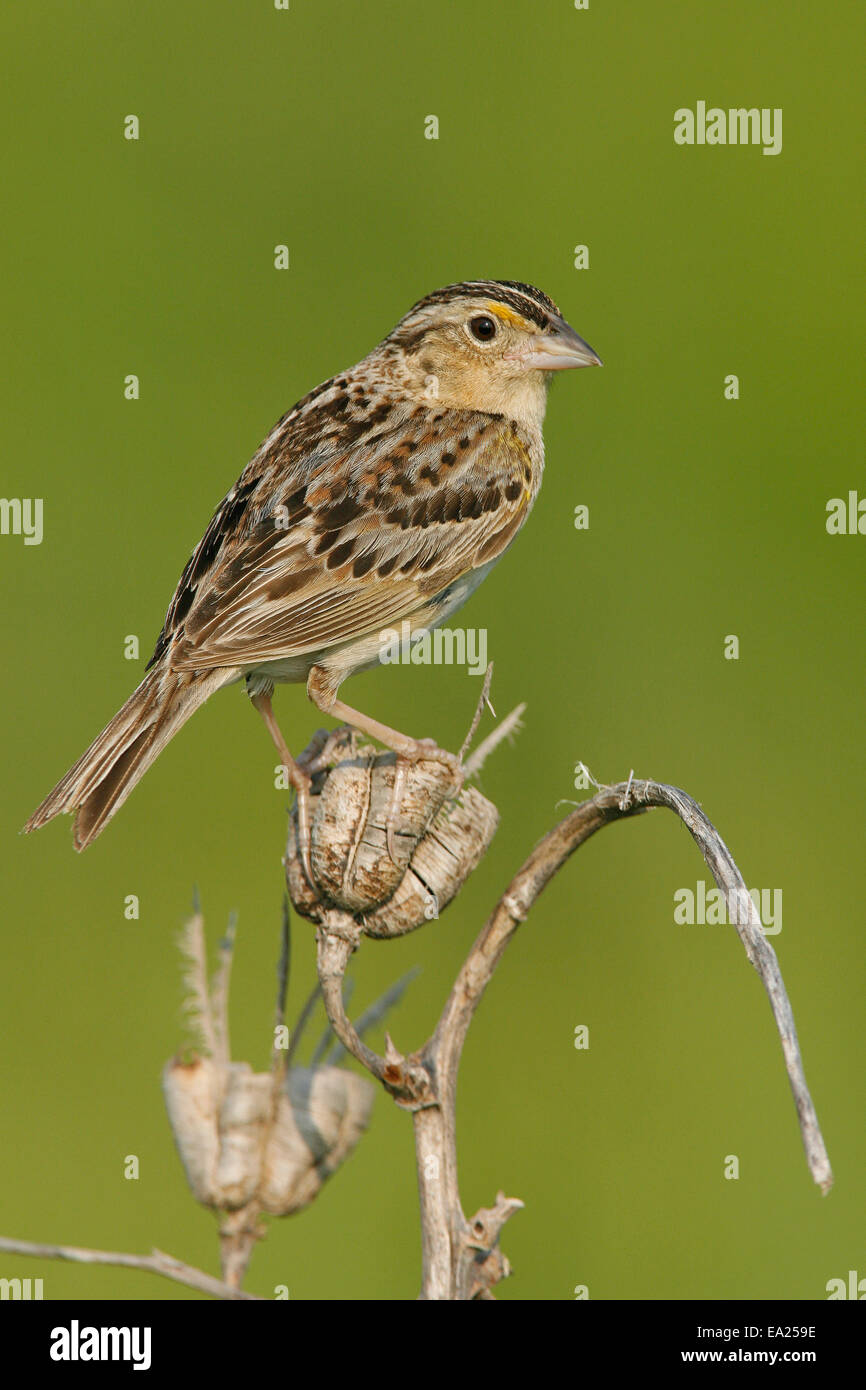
(532, 303)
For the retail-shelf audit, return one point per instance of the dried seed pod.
(236, 1149)
(241, 1127)
(440, 835)
(191, 1093)
(321, 1115)
(443, 860)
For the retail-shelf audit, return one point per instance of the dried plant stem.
(461, 1259)
(483, 699)
(157, 1262)
(239, 1232)
(507, 729)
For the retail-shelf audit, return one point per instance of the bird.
(383, 497)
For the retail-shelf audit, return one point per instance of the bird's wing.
(315, 548)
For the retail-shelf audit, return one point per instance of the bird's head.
(489, 345)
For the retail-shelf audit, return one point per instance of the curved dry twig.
(157, 1262)
(426, 1081)
(611, 804)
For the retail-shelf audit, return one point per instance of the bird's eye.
(483, 328)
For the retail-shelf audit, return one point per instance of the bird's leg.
(408, 750)
(299, 779)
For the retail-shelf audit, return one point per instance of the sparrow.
(385, 495)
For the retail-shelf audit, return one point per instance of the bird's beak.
(558, 348)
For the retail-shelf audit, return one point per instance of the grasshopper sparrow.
(385, 495)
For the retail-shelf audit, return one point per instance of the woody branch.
(461, 1258)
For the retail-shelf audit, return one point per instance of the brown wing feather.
(337, 528)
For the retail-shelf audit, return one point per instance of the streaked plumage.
(384, 495)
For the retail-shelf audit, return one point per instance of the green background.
(707, 518)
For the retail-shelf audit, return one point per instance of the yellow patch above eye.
(507, 315)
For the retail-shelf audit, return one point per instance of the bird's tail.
(103, 777)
